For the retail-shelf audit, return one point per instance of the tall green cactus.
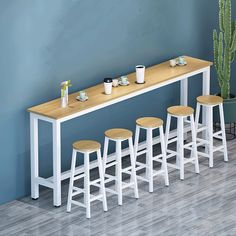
(224, 47)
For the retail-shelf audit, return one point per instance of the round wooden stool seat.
(149, 122)
(210, 100)
(180, 110)
(86, 146)
(119, 134)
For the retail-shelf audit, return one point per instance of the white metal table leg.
(205, 91)
(206, 82)
(56, 163)
(34, 156)
(184, 92)
(184, 96)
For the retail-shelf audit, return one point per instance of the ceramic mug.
(140, 72)
(173, 63)
(108, 86)
(181, 60)
(82, 95)
(115, 82)
(123, 79)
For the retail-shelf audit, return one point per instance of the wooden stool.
(210, 101)
(86, 147)
(118, 136)
(181, 113)
(149, 124)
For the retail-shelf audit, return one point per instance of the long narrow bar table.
(155, 76)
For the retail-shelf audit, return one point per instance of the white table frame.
(54, 182)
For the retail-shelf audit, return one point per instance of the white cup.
(108, 86)
(115, 82)
(82, 95)
(173, 62)
(181, 60)
(123, 79)
(140, 72)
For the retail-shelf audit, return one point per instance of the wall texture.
(45, 42)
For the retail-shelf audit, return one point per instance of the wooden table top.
(153, 75)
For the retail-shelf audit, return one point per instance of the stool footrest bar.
(141, 164)
(188, 145)
(111, 164)
(79, 176)
(109, 178)
(217, 133)
(156, 158)
(219, 148)
(127, 185)
(78, 189)
(94, 182)
(111, 191)
(172, 141)
(142, 178)
(78, 203)
(126, 170)
(94, 198)
(139, 153)
(139, 168)
(203, 154)
(159, 172)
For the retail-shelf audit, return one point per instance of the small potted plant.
(224, 52)
(64, 93)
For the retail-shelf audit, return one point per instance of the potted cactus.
(224, 52)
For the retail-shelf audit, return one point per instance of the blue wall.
(45, 42)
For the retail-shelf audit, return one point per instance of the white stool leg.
(197, 116)
(163, 150)
(210, 133)
(194, 140)
(150, 159)
(133, 169)
(73, 163)
(222, 124)
(105, 152)
(102, 185)
(87, 184)
(118, 172)
(137, 132)
(180, 144)
(167, 130)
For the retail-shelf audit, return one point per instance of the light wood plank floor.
(203, 204)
